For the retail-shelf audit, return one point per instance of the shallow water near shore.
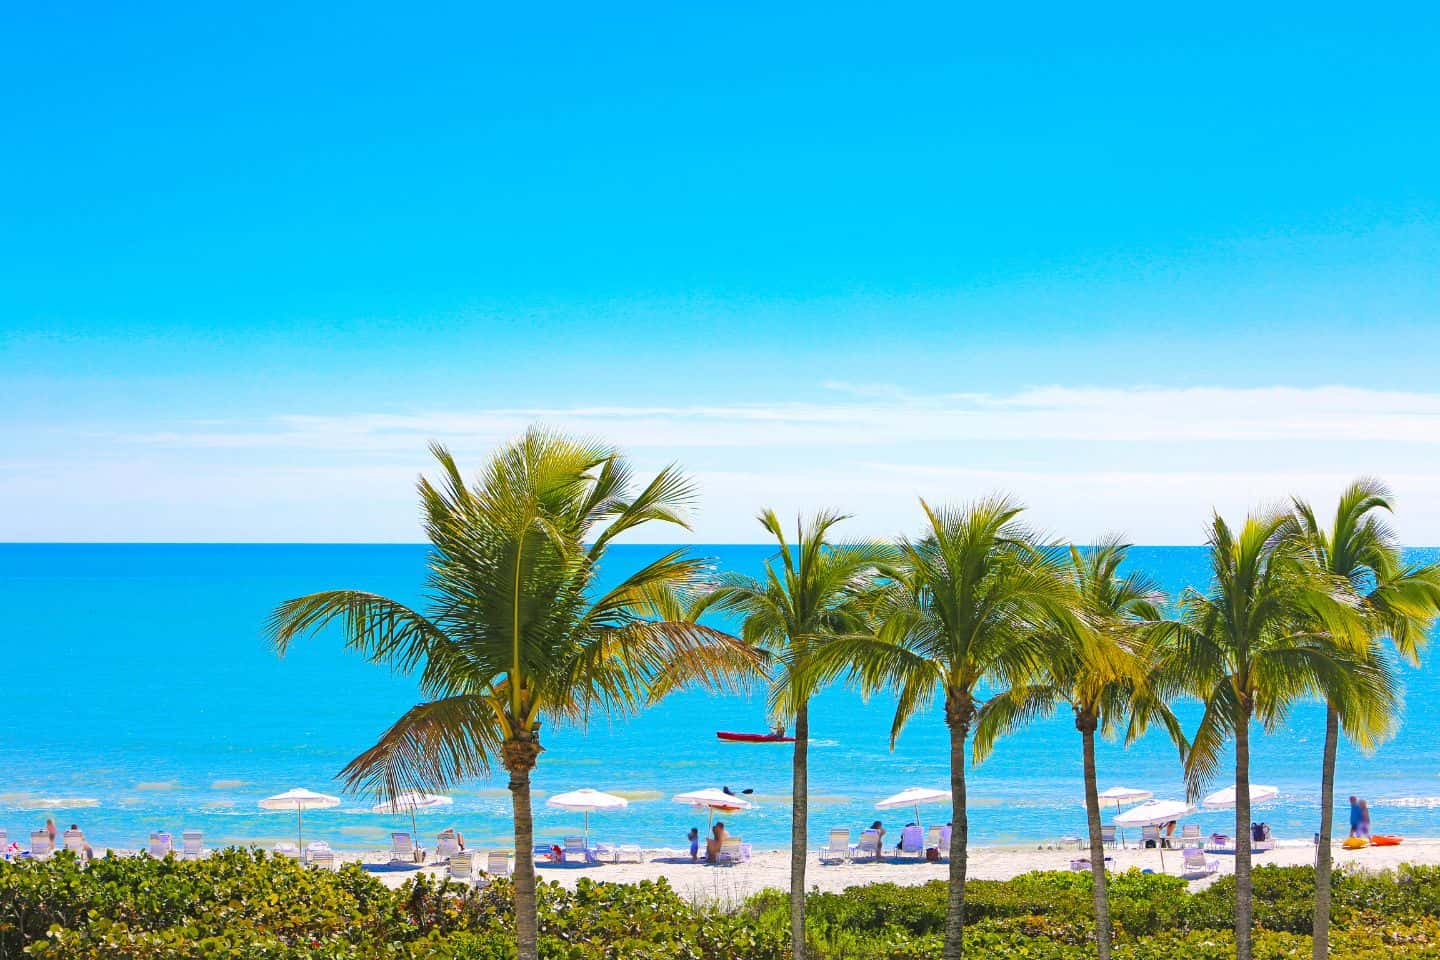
(142, 697)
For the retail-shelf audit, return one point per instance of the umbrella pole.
(587, 829)
(300, 829)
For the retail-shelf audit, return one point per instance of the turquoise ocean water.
(140, 695)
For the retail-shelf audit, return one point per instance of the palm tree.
(969, 603)
(1265, 633)
(1397, 601)
(810, 594)
(1104, 672)
(516, 630)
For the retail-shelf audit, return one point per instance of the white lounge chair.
(320, 856)
(192, 845)
(402, 848)
(1107, 835)
(575, 850)
(911, 842)
(287, 850)
(732, 851)
(869, 845)
(74, 841)
(1150, 835)
(446, 845)
(1196, 863)
(160, 845)
(41, 846)
(462, 867)
(932, 839)
(1190, 834)
(1082, 864)
(497, 863)
(626, 851)
(837, 849)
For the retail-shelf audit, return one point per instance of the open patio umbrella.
(913, 797)
(1225, 799)
(412, 802)
(299, 800)
(584, 801)
(713, 799)
(1152, 813)
(1121, 796)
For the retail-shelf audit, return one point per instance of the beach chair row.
(42, 847)
(839, 849)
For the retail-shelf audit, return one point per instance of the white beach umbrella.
(412, 802)
(713, 799)
(586, 800)
(1225, 799)
(1123, 795)
(1152, 813)
(299, 800)
(913, 797)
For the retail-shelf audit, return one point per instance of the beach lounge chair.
(837, 850)
(192, 845)
(1197, 864)
(934, 838)
(319, 855)
(626, 851)
(160, 845)
(1150, 836)
(402, 848)
(732, 851)
(1082, 864)
(1107, 836)
(41, 846)
(869, 845)
(498, 863)
(286, 849)
(575, 851)
(74, 841)
(1190, 834)
(446, 846)
(911, 842)
(462, 867)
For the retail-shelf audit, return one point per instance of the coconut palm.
(1105, 673)
(1265, 633)
(811, 593)
(1398, 601)
(970, 602)
(516, 629)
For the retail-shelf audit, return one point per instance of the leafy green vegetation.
(240, 904)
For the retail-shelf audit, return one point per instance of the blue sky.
(1131, 263)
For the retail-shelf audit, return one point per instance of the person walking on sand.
(694, 838)
(1354, 816)
(1364, 818)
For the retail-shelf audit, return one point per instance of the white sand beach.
(770, 869)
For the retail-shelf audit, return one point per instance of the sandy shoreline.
(770, 869)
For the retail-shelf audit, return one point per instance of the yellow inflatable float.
(1355, 843)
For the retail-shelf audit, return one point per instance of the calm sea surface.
(140, 696)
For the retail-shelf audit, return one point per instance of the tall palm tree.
(1265, 633)
(811, 593)
(516, 629)
(1398, 601)
(970, 602)
(1104, 673)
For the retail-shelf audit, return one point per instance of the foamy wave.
(228, 784)
(1425, 803)
(824, 743)
(56, 803)
(158, 785)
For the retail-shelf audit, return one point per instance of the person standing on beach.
(1354, 816)
(694, 838)
(50, 829)
(1364, 818)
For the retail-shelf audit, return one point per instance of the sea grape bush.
(246, 905)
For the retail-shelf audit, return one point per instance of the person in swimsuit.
(694, 838)
(1364, 818)
(1354, 816)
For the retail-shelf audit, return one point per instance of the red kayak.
(752, 737)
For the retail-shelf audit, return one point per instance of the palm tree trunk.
(1243, 889)
(958, 711)
(799, 815)
(520, 756)
(1097, 845)
(1320, 945)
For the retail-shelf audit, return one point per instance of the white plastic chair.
(41, 846)
(575, 850)
(869, 844)
(462, 867)
(402, 848)
(1196, 863)
(911, 843)
(74, 841)
(320, 856)
(1189, 832)
(1149, 834)
(192, 845)
(932, 839)
(731, 851)
(160, 845)
(497, 863)
(627, 850)
(446, 845)
(837, 849)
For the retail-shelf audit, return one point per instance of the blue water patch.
(142, 697)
